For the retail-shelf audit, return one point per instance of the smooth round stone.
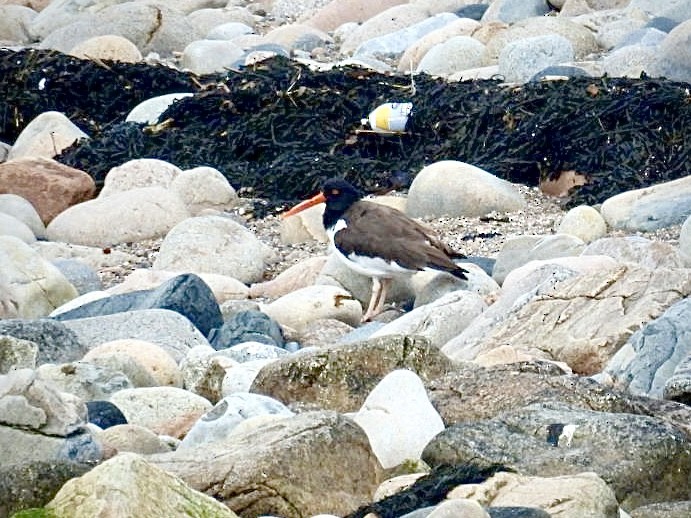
(47, 135)
(685, 242)
(149, 111)
(22, 209)
(214, 244)
(247, 326)
(108, 47)
(11, 226)
(82, 276)
(297, 309)
(219, 422)
(106, 221)
(583, 222)
(228, 31)
(675, 53)
(457, 189)
(520, 60)
(456, 54)
(203, 188)
(210, 56)
(134, 438)
(154, 358)
(139, 172)
(158, 407)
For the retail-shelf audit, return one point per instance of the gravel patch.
(483, 236)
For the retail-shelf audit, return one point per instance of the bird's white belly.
(362, 264)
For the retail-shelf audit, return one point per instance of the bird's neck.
(331, 217)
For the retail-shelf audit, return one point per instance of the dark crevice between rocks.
(428, 490)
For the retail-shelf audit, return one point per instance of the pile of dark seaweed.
(277, 129)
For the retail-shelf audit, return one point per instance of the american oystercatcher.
(378, 241)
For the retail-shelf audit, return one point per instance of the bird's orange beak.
(314, 200)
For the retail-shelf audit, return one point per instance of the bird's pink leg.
(376, 303)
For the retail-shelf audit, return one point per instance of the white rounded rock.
(228, 413)
(203, 188)
(24, 211)
(452, 188)
(109, 220)
(149, 111)
(31, 286)
(584, 222)
(685, 242)
(11, 226)
(301, 307)
(520, 250)
(454, 55)
(107, 47)
(520, 60)
(47, 135)
(152, 357)
(210, 56)
(155, 407)
(140, 172)
(398, 418)
(214, 244)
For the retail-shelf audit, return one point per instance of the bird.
(378, 241)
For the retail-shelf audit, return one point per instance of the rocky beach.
(170, 345)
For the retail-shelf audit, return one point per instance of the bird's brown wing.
(393, 236)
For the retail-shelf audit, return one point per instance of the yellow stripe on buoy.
(390, 117)
(381, 117)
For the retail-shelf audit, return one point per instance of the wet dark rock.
(186, 294)
(247, 326)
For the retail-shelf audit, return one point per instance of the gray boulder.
(636, 249)
(678, 10)
(509, 11)
(43, 440)
(650, 208)
(169, 329)
(520, 60)
(84, 380)
(685, 242)
(16, 353)
(56, 342)
(82, 276)
(394, 44)
(130, 486)
(649, 358)
(340, 377)
(520, 250)
(675, 56)
(186, 294)
(584, 320)
(316, 462)
(644, 459)
(678, 386)
(490, 391)
(218, 423)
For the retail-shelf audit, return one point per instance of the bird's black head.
(339, 194)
